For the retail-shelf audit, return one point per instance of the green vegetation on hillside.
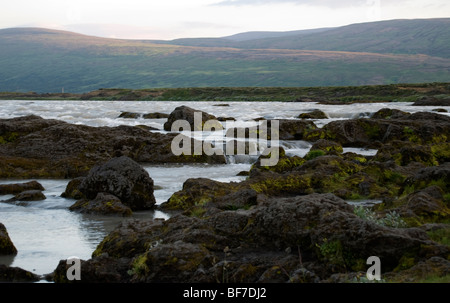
(330, 95)
(49, 61)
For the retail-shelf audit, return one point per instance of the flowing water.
(45, 232)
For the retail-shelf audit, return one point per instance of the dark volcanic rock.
(30, 195)
(307, 237)
(103, 204)
(16, 275)
(315, 114)
(38, 148)
(388, 113)
(186, 113)
(16, 188)
(123, 178)
(431, 101)
(6, 245)
(73, 189)
(422, 128)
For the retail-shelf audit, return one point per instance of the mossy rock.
(6, 245)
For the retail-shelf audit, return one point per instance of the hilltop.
(390, 52)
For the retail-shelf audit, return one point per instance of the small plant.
(392, 219)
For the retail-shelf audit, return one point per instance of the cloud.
(326, 3)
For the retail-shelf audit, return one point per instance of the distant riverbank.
(425, 92)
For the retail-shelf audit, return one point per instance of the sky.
(171, 19)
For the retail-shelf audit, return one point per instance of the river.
(45, 232)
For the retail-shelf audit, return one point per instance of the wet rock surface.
(6, 245)
(285, 223)
(33, 147)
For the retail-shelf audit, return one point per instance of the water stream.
(45, 232)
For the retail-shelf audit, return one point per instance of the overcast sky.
(169, 19)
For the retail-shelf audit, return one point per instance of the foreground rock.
(186, 113)
(16, 274)
(16, 188)
(422, 128)
(6, 245)
(123, 178)
(104, 204)
(303, 238)
(116, 187)
(34, 147)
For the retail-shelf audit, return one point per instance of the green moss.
(405, 262)
(139, 266)
(441, 152)
(285, 164)
(441, 236)
(283, 184)
(314, 154)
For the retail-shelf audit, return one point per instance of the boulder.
(129, 115)
(293, 129)
(6, 245)
(186, 113)
(155, 116)
(388, 113)
(16, 275)
(315, 114)
(72, 189)
(328, 146)
(123, 178)
(432, 101)
(301, 238)
(34, 147)
(29, 195)
(16, 188)
(420, 128)
(103, 204)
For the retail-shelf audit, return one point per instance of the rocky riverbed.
(285, 223)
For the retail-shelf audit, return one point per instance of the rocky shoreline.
(285, 223)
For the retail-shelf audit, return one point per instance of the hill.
(41, 60)
(417, 36)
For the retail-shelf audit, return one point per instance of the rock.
(103, 204)
(427, 204)
(432, 101)
(30, 195)
(16, 188)
(440, 110)
(155, 116)
(6, 245)
(186, 113)
(128, 115)
(123, 178)
(40, 148)
(72, 189)
(388, 113)
(403, 153)
(102, 269)
(420, 128)
(293, 129)
(329, 147)
(302, 238)
(16, 275)
(435, 175)
(430, 270)
(315, 114)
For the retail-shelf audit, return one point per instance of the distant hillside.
(418, 36)
(41, 60)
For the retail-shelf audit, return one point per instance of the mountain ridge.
(43, 60)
